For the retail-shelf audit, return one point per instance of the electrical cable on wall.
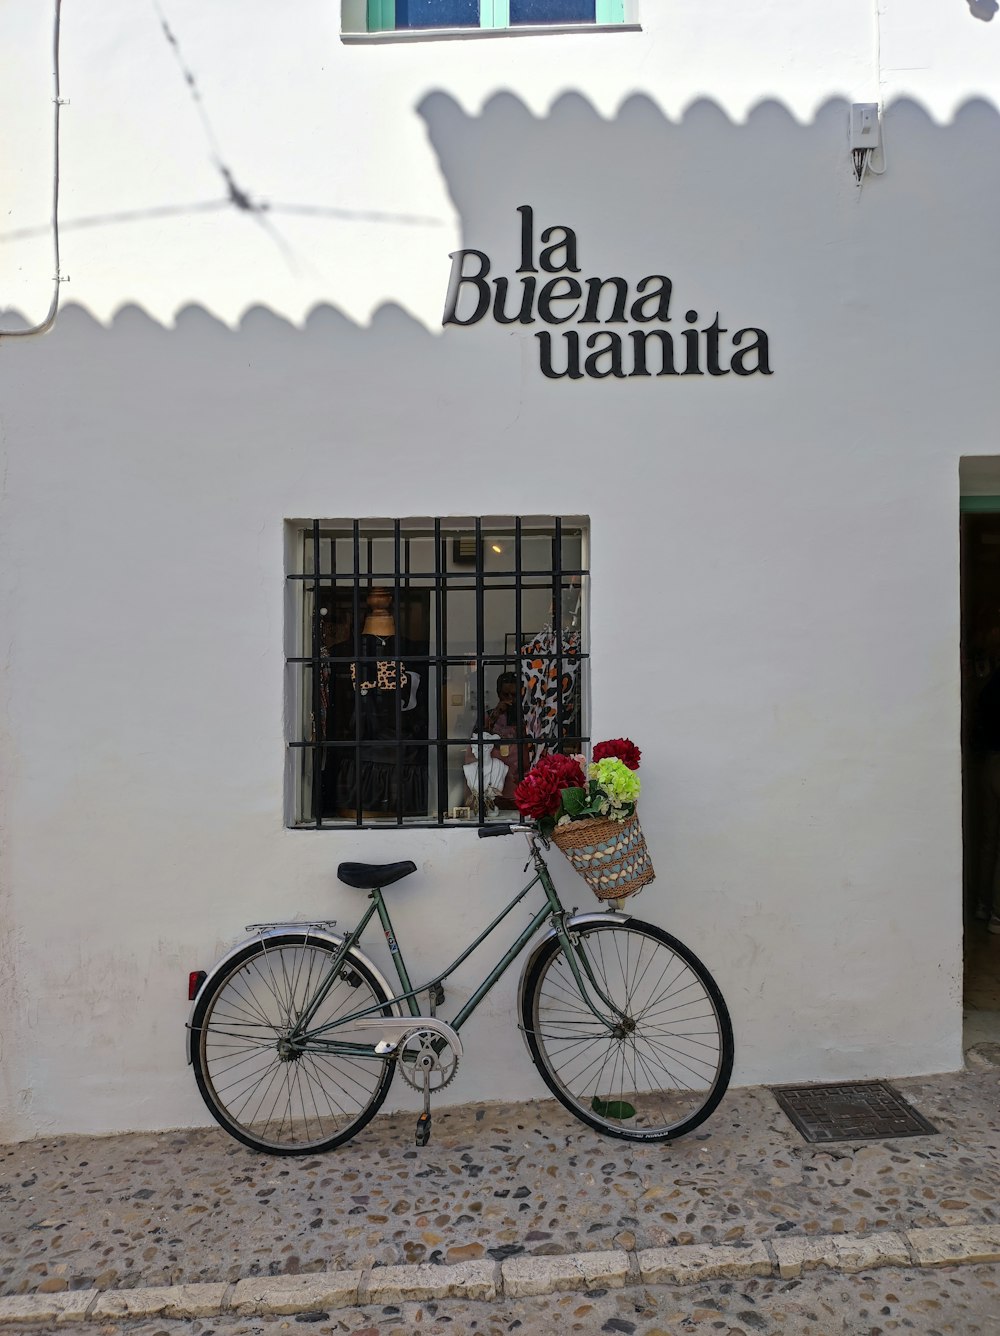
(878, 171)
(866, 139)
(235, 194)
(50, 317)
(863, 156)
(863, 164)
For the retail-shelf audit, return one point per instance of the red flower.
(539, 793)
(564, 768)
(621, 749)
(537, 796)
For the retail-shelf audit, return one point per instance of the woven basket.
(611, 856)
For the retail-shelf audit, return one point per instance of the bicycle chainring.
(421, 1064)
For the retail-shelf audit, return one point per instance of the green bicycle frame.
(552, 909)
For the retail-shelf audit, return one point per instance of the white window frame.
(302, 809)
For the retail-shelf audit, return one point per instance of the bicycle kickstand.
(424, 1121)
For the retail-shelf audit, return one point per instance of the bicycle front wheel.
(655, 1063)
(277, 1096)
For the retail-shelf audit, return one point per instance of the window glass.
(458, 607)
(552, 11)
(430, 663)
(437, 13)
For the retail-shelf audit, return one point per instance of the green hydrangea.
(616, 780)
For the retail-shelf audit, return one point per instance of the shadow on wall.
(738, 250)
(983, 9)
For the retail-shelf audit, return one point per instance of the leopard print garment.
(542, 686)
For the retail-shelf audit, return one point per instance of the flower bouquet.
(588, 812)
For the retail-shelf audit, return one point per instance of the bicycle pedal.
(423, 1129)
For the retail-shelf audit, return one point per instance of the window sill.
(390, 823)
(466, 34)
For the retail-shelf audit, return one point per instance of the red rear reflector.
(195, 979)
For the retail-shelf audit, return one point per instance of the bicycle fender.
(571, 921)
(309, 930)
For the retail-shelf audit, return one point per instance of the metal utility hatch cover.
(852, 1111)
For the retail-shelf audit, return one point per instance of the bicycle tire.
(301, 1105)
(653, 1083)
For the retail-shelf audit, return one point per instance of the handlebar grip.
(498, 828)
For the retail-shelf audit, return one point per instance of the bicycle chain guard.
(397, 1028)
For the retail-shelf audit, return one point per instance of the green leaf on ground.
(612, 1108)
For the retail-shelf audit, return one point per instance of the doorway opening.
(980, 566)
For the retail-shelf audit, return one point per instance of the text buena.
(558, 300)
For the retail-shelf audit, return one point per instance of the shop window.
(399, 15)
(431, 662)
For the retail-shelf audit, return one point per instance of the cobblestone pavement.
(953, 1301)
(496, 1181)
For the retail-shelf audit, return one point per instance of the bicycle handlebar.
(502, 828)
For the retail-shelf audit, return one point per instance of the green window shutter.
(610, 11)
(494, 13)
(381, 15)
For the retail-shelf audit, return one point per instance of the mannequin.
(504, 761)
(390, 706)
(379, 621)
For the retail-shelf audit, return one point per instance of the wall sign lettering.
(550, 295)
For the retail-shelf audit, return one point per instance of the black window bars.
(377, 719)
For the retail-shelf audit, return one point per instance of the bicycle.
(295, 1035)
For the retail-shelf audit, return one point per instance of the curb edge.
(482, 1280)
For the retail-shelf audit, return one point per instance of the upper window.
(396, 15)
(431, 663)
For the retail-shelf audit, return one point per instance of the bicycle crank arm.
(395, 1030)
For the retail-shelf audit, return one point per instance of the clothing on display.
(494, 774)
(549, 672)
(391, 699)
(504, 762)
(380, 701)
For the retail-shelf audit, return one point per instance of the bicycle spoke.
(274, 1091)
(658, 1060)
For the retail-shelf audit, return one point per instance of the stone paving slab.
(846, 1253)
(162, 1301)
(295, 1294)
(46, 1308)
(523, 1276)
(698, 1262)
(943, 1247)
(930, 1301)
(397, 1284)
(515, 1278)
(496, 1182)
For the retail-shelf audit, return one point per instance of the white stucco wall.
(775, 613)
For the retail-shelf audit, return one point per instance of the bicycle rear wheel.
(663, 1065)
(278, 1098)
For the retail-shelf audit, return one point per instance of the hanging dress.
(546, 678)
(391, 700)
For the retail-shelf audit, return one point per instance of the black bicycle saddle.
(364, 876)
